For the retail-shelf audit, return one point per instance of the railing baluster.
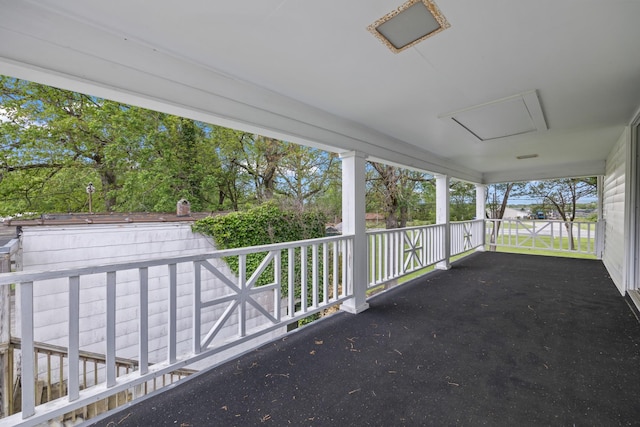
(392, 256)
(110, 350)
(579, 239)
(379, 258)
(303, 278)
(61, 374)
(36, 355)
(143, 321)
(278, 279)
(49, 376)
(291, 281)
(314, 275)
(325, 273)
(74, 338)
(84, 373)
(336, 268)
(560, 237)
(27, 350)
(242, 284)
(346, 272)
(398, 252)
(173, 312)
(423, 250)
(386, 257)
(374, 264)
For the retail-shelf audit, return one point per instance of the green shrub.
(262, 225)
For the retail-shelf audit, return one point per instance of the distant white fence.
(546, 235)
(315, 278)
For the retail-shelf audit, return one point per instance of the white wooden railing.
(546, 235)
(287, 282)
(397, 252)
(314, 279)
(466, 235)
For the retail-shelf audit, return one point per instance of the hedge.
(262, 225)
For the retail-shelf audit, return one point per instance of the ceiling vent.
(408, 25)
(510, 116)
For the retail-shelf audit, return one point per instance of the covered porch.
(499, 339)
(540, 93)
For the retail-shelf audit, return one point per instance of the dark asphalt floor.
(498, 340)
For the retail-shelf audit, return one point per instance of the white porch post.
(442, 217)
(353, 222)
(600, 223)
(481, 211)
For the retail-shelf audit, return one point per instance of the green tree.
(330, 200)
(233, 183)
(53, 143)
(259, 156)
(178, 160)
(563, 195)
(49, 130)
(304, 174)
(496, 202)
(462, 204)
(394, 190)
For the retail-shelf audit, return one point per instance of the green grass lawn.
(547, 244)
(544, 252)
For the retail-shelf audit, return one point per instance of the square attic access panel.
(409, 24)
(509, 116)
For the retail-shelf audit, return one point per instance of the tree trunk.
(404, 216)
(569, 227)
(108, 179)
(391, 221)
(273, 154)
(493, 247)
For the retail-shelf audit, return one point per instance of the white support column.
(481, 212)
(600, 223)
(353, 222)
(442, 217)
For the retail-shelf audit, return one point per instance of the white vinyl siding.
(614, 211)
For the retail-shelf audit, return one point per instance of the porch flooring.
(500, 339)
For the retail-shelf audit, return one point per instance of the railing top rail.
(88, 355)
(539, 220)
(32, 276)
(11, 247)
(417, 227)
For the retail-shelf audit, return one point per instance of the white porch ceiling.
(310, 72)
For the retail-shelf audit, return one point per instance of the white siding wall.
(614, 211)
(49, 248)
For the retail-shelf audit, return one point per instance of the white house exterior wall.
(614, 211)
(57, 247)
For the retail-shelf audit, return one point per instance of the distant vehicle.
(540, 215)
